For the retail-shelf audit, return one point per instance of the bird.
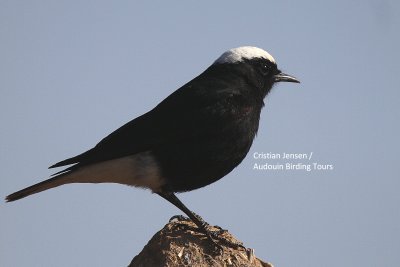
(194, 137)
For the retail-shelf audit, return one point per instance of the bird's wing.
(133, 137)
(176, 118)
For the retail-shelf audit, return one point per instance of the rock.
(179, 244)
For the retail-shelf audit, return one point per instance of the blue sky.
(71, 72)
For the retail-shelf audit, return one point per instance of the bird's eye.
(265, 69)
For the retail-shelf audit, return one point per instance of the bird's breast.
(212, 148)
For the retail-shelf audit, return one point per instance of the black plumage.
(194, 137)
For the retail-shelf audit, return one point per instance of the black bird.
(194, 137)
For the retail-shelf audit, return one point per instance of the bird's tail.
(39, 187)
(137, 170)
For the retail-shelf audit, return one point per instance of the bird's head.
(258, 67)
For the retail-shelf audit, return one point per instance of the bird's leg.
(201, 224)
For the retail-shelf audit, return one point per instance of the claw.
(217, 235)
(179, 218)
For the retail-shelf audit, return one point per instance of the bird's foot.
(217, 237)
(214, 236)
(179, 218)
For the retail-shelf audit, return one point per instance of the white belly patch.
(141, 170)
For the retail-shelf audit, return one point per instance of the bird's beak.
(283, 77)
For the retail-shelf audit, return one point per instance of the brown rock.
(179, 244)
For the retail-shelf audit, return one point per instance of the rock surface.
(179, 244)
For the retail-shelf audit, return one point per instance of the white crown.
(245, 52)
